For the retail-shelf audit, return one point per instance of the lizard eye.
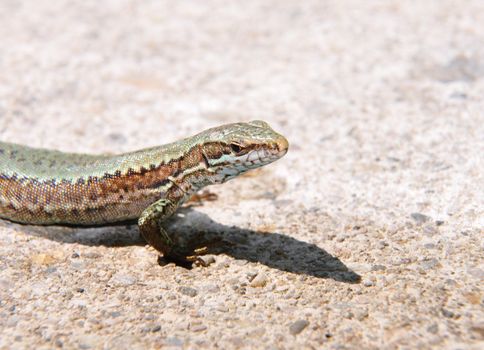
(235, 148)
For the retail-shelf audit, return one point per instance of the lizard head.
(232, 149)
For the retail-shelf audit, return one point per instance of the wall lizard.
(44, 187)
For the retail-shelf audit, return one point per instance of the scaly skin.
(39, 186)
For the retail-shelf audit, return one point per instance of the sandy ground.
(368, 234)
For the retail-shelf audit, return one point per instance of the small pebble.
(211, 288)
(368, 283)
(156, 329)
(123, 280)
(207, 260)
(434, 328)
(173, 341)
(420, 218)
(298, 326)
(448, 313)
(361, 314)
(198, 328)
(51, 269)
(259, 281)
(382, 244)
(78, 265)
(91, 255)
(251, 275)
(430, 264)
(189, 291)
(117, 137)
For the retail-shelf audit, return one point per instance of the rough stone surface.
(382, 102)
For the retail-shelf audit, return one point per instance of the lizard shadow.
(272, 249)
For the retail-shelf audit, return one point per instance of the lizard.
(49, 187)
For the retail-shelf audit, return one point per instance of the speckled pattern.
(40, 186)
(367, 234)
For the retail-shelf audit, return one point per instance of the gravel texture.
(367, 234)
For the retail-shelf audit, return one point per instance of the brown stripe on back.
(89, 200)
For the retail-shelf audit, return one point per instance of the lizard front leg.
(150, 226)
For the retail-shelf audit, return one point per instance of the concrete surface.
(368, 234)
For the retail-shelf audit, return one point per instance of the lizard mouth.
(262, 156)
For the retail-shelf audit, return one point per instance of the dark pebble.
(156, 329)
(298, 326)
(448, 313)
(420, 218)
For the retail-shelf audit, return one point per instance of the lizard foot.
(188, 256)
